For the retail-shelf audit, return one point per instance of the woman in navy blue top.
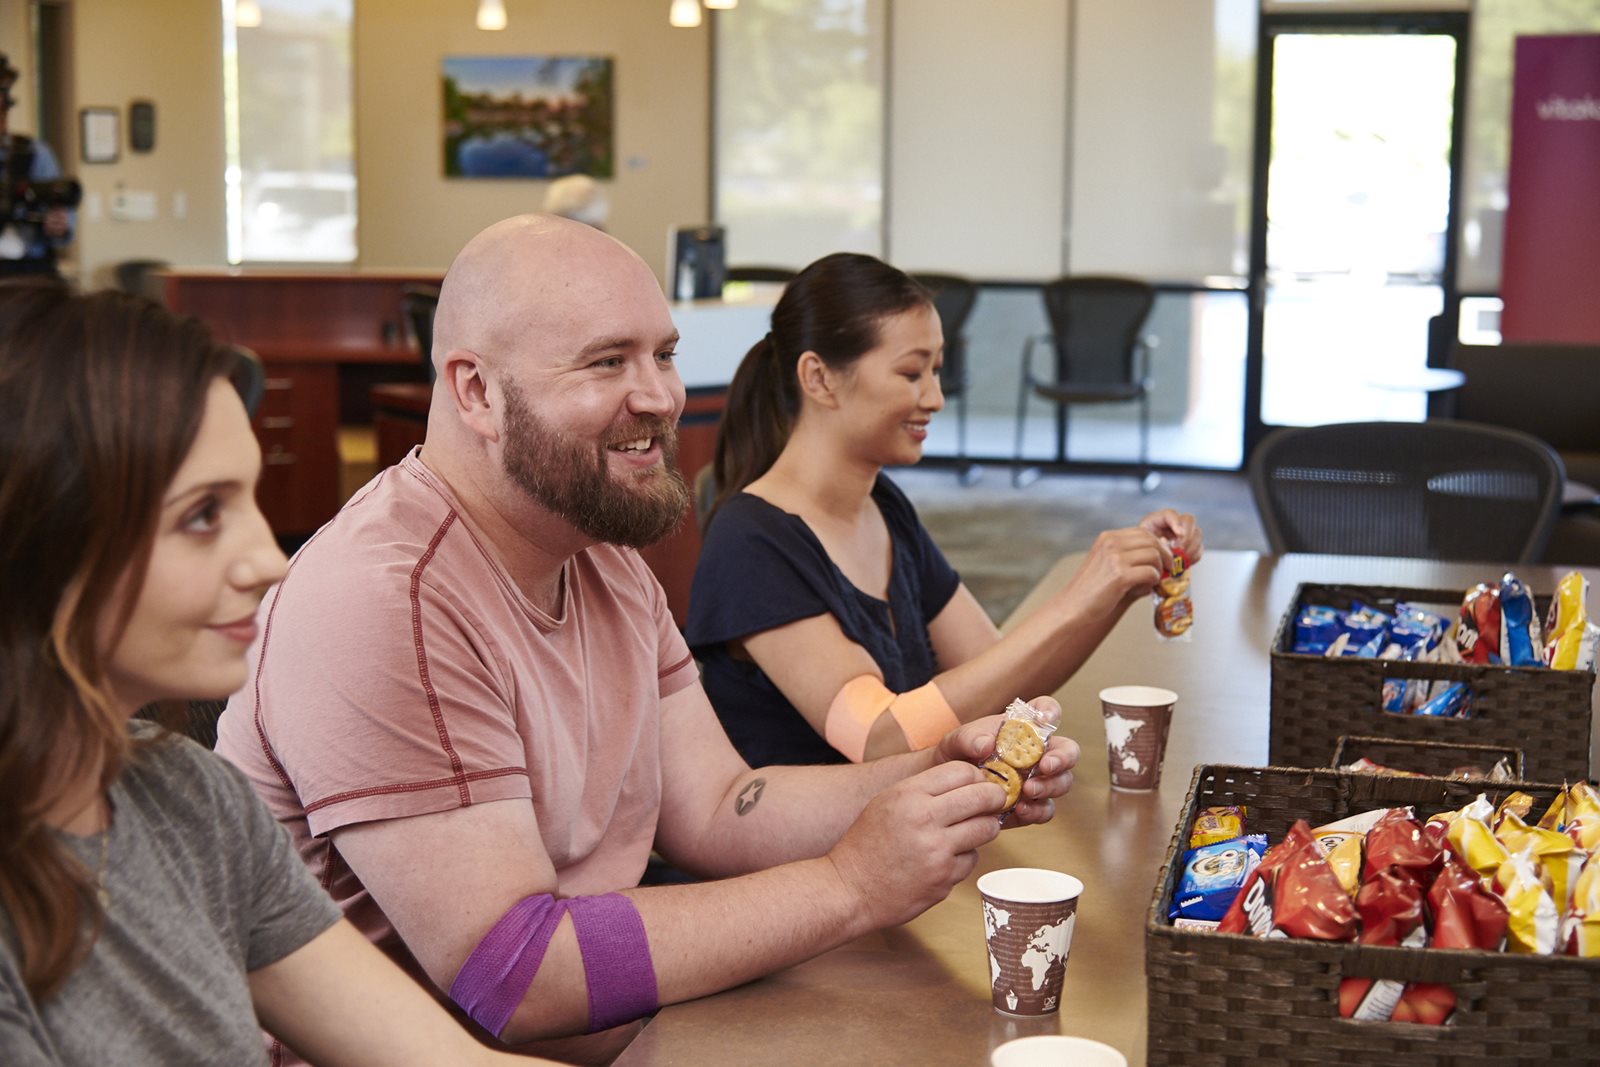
(827, 623)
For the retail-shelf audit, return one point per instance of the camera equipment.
(24, 200)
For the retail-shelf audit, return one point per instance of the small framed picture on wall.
(100, 134)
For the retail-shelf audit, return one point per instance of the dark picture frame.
(100, 134)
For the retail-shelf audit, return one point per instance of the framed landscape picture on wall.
(527, 116)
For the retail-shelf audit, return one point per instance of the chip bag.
(1478, 629)
(1533, 924)
(1293, 893)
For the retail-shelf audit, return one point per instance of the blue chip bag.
(1365, 625)
(1520, 642)
(1213, 875)
(1450, 704)
(1412, 625)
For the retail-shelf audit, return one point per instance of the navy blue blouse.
(760, 568)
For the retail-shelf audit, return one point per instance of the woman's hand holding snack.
(1173, 528)
(1121, 566)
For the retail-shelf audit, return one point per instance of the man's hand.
(916, 840)
(974, 743)
(55, 223)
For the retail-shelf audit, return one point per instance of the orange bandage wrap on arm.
(923, 715)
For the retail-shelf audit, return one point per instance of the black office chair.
(1428, 490)
(250, 379)
(418, 304)
(1102, 356)
(953, 298)
(759, 274)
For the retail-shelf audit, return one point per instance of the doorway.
(1358, 135)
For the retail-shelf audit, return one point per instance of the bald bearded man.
(471, 708)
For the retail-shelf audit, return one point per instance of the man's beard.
(573, 480)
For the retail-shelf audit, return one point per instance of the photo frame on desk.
(100, 133)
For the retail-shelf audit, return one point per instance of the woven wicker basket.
(1315, 700)
(1218, 1000)
(1438, 758)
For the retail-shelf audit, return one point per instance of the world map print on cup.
(1028, 916)
(1138, 719)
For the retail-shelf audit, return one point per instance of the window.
(798, 129)
(287, 91)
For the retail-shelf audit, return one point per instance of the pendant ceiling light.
(684, 14)
(491, 14)
(721, 5)
(247, 14)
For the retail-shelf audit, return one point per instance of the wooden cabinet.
(321, 337)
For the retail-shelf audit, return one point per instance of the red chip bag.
(1293, 893)
(1398, 840)
(1478, 632)
(1390, 904)
(1465, 915)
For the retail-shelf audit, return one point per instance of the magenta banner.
(1550, 273)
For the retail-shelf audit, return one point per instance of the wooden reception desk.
(324, 337)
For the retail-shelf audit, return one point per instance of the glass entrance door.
(1352, 252)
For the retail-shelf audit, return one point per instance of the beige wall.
(168, 52)
(411, 216)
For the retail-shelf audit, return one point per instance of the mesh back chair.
(953, 298)
(251, 379)
(1430, 490)
(1102, 356)
(758, 274)
(418, 303)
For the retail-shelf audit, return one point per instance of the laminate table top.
(918, 994)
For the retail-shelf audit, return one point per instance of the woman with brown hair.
(151, 910)
(828, 624)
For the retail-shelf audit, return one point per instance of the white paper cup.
(1028, 917)
(1056, 1050)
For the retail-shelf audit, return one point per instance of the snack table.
(919, 993)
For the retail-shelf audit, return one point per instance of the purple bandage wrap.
(611, 939)
(495, 978)
(616, 959)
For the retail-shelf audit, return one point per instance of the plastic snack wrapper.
(1174, 610)
(1293, 893)
(1560, 860)
(1217, 824)
(1396, 842)
(1520, 642)
(1315, 628)
(1213, 874)
(1533, 924)
(1390, 905)
(1342, 844)
(1580, 931)
(1042, 723)
(1570, 638)
(1478, 630)
(1580, 816)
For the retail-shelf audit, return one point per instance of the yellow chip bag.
(1518, 803)
(1534, 926)
(1556, 814)
(1581, 931)
(1558, 859)
(1471, 840)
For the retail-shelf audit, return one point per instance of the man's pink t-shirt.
(400, 671)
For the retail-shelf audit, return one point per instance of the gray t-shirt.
(204, 888)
